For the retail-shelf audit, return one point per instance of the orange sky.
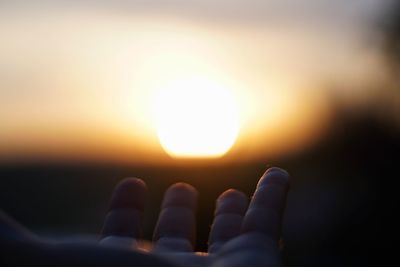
(78, 83)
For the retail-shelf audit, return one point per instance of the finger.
(175, 230)
(266, 207)
(230, 208)
(123, 221)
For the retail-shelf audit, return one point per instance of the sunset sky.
(79, 79)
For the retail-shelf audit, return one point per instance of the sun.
(195, 117)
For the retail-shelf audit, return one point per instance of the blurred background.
(206, 92)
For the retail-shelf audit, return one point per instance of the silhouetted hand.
(241, 234)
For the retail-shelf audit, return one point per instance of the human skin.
(242, 234)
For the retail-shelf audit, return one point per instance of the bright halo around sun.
(195, 118)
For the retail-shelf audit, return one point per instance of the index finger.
(266, 208)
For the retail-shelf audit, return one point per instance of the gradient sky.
(76, 76)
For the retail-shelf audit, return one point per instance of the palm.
(245, 250)
(241, 234)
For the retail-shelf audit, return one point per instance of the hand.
(239, 236)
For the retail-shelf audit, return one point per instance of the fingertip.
(131, 182)
(180, 194)
(181, 186)
(232, 193)
(129, 193)
(231, 201)
(274, 175)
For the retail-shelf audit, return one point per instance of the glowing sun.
(195, 118)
